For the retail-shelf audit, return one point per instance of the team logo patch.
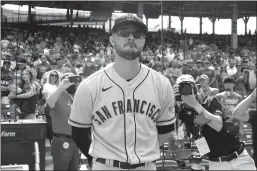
(171, 108)
(65, 145)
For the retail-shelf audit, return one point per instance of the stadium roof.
(152, 9)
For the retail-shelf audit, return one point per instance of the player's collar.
(115, 77)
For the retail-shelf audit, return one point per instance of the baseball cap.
(198, 62)
(66, 75)
(190, 61)
(58, 58)
(185, 78)
(203, 76)
(129, 19)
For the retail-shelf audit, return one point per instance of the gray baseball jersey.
(124, 115)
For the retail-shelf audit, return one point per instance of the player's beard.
(128, 53)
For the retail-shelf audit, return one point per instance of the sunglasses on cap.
(53, 75)
(126, 32)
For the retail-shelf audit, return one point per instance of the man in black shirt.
(206, 123)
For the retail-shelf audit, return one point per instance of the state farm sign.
(7, 134)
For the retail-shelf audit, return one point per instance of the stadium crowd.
(84, 50)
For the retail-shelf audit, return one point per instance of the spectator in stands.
(6, 78)
(59, 68)
(216, 69)
(206, 91)
(173, 72)
(71, 64)
(54, 80)
(251, 78)
(199, 67)
(157, 66)
(245, 52)
(210, 73)
(221, 77)
(245, 64)
(189, 69)
(240, 81)
(43, 67)
(225, 59)
(27, 99)
(238, 57)
(228, 98)
(231, 68)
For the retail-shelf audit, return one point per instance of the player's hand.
(65, 84)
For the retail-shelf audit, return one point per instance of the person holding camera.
(214, 134)
(64, 150)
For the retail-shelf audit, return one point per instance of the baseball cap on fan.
(129, 20)
(204, 77)
(185, 78)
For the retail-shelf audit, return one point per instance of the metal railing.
(23, 17)
(37, 156)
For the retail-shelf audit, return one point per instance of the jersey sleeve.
(167, 113)
(82, 107)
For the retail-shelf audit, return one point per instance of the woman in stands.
(26, 100)
(52, 85)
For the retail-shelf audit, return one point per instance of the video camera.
(186, 88)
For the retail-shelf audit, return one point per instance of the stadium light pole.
(162, 36)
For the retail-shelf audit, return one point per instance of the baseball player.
(128, 106)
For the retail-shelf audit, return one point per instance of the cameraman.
(207, 125)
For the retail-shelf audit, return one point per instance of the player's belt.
(122, 165)
(230, 157)
(62, 135)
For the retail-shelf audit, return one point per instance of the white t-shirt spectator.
(231, 71)
(211, 67)
(47, 51)
(48, 89)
